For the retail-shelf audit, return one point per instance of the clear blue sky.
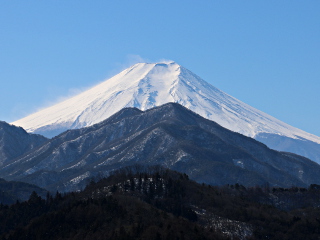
(265, 53)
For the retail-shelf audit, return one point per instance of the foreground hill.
(155, 203)
(147, 85)
(169, 135)
(12, 191)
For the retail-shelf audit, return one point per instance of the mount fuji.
(147, 85)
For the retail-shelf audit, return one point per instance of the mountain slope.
(15, 141)
(146, 85)
(169, 135)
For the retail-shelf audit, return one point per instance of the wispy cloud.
(54, 96)
(132, 59)
(162, 60)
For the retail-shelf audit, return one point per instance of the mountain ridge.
(169, 135)
(147, 85)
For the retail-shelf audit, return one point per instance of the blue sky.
(265, 53)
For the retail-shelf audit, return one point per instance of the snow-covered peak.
(146, 85)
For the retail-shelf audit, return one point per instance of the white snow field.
(146, 85)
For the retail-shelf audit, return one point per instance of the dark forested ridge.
(156, 203)
(12, 191)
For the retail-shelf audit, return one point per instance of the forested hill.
(12, 191)
(155, 203)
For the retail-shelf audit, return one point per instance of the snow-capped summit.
(146, 85)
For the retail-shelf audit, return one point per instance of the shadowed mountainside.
(169, 135)
(15, 141)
